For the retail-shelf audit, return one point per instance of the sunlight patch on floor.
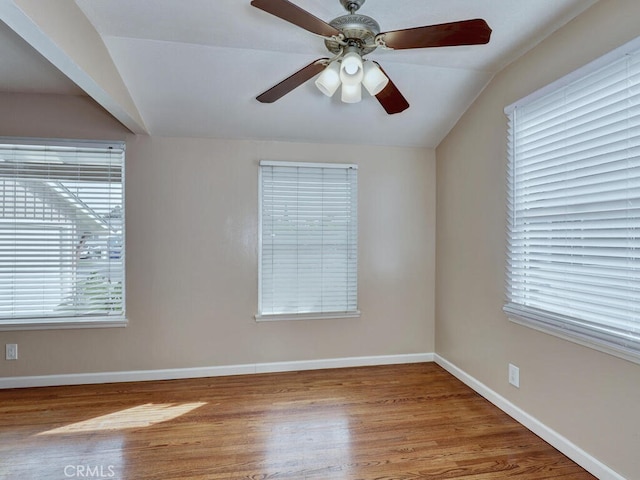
(135, 417)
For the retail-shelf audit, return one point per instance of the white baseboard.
(217, 371)
(575, 453)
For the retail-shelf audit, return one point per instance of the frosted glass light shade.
(351, 72)
(329, 80)
(374, 80)
(351, 93)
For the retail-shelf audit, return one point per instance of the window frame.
(269, 317)
(81, 321)
(548, 322)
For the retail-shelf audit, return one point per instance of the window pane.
(61, 231)
(309, 239)
(574, 210)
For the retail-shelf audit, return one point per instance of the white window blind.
(61, 232)
(309, 240)
(574, 210)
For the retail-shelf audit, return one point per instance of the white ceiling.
(194, 67)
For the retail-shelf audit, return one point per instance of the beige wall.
(591, 398)
(192, 210)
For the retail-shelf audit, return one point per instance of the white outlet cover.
(11, 351)
(514, 375)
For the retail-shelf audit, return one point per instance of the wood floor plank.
(401, 422)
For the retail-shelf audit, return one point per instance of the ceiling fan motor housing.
(352, 5)
(360, 29)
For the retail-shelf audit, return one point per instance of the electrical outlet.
(11, 351)
(514, 375)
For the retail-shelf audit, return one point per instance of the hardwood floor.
(403, 422)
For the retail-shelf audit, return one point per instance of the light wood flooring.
(403, 422)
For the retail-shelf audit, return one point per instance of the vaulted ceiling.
(193, 68)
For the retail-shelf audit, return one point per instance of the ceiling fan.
(349, 38)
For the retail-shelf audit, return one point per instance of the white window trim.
(590, 67)
(259, 317)
(60, 323)
(545, 323)
(306, 316)
(64, 323)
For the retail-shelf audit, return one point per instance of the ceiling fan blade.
(390, 97)
(466, 32)
(293, 82)
(296, 15)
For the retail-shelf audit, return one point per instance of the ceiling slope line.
(88, 65)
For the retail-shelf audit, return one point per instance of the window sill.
(62, 323)
(306, 316)
(585, 340)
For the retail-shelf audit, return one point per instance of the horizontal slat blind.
(61, 231)
(309, 235)
(574, 210)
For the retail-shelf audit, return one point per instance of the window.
(61, 234)
(574, 224)
(308, 241)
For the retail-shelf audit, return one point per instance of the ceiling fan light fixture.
(351, 93)
(351, 72)
(373, 78)
(329, 80)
